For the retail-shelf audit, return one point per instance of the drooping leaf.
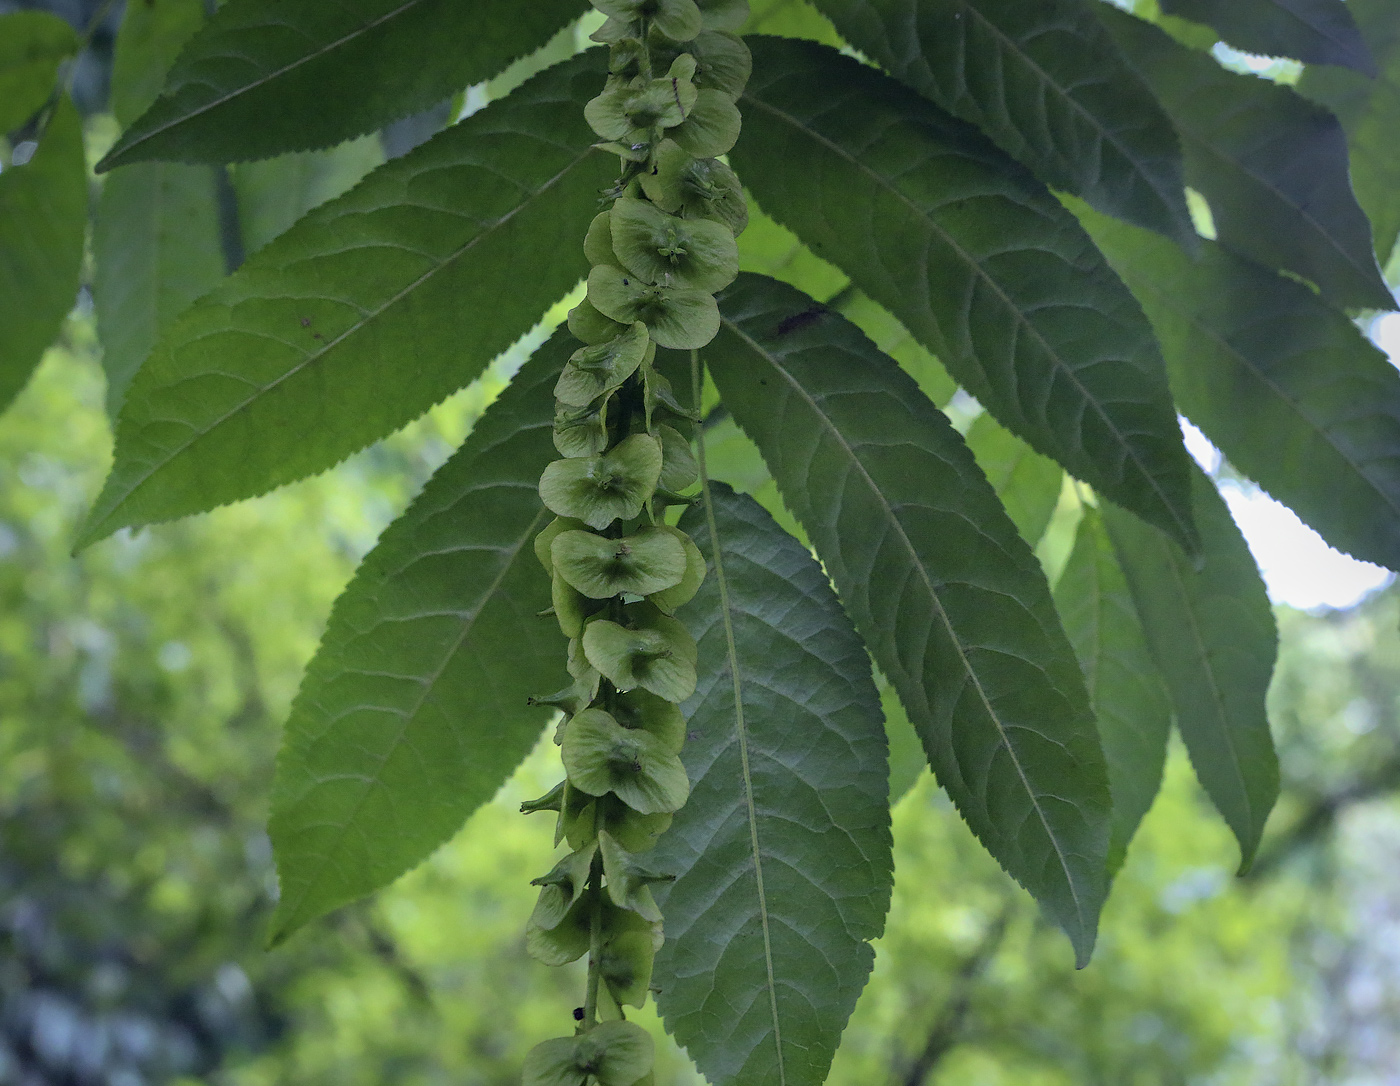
(156, 239)
(976, 259)
(950, 600)
(1315, 31)
(1272, 165)
(783, 851)
(264, 77)
(1369, 110)
(43, 212)
(1287, 387)
(413, 711)
(32, 45)
(1046, 83)
(276, 192)
(1027, 483)
(1213, 636)
(372, 308)
(1130, 701)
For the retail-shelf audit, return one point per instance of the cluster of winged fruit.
(658, 253)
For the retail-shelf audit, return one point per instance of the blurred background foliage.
(143, 686)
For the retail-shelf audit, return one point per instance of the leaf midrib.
(279, 73)
(1296, 406)
(322, 352)
(1022, 319)
(468, 624)
(933, 595)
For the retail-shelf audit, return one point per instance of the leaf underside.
(1314, 31)
(978, 261)
(1272, 165)
(268, 76)
(1130, 702)
(413, 711)
(367, 312)
(950, 600)
(783, 851)
(1212, 633)
(1046, 83)
(1286, 386)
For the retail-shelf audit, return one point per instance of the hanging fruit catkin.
(658, 252)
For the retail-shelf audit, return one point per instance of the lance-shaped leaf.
(783, 851)
(1129, 699)
(414, 710)
(156, 240)
(949, 598)
(1369, 110)
(268, 76)
(1027, 483)
(1046, 83)
(1315, 31)
(977, 260)
(32, 45)
(43, 212)
(1272, 165)
(1285, 385)
(1212, 634)
(371, 309)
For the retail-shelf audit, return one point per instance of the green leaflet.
(1272, 165)
(1027, 483)
(976, 259)
(268, 76)
(783, 851)
(156, 239)
(274, 193)
(1129, 700)
(368, 311)
(414, 710)
(1315, 31)
(1286, 386)
(32, 45)
(1046, 83)
(1213, 636)
(43, 213)
(1369, 110)
(950, 600)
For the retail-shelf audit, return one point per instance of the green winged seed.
(602, 756)
(571, 607)
(678, 467)
(562, 887)
(626, 967)
(643, 709)
(586, 323)
(699, 188)
(600, 489)
(596, 370)
(679, 20)
(649, 560)
(711, 128)
(564, 942)
(661, 660)
(663, 248)
(546, 538)
(597, 243)
(680, 318)
(628, 880)
(678, 595)
(581, 431)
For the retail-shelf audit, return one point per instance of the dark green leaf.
(32, 44)
(414, 711)
(1046, 83)
(1133, 710)
(1027, 483)
(977, 260)
(1315, 31)
(949, 598)
(268, 76)
(276, 192)
(1272, 165)
(1212, 634)
(783, 851)
(1286, 386)
(371, 309)
(1369, 110)
(156, 240)
(43, 213)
